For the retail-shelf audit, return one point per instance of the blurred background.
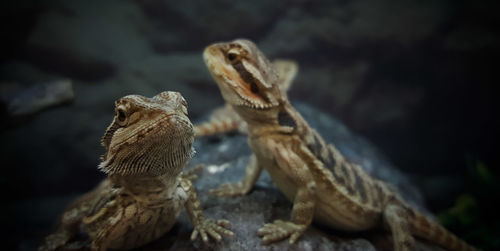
(416, 78)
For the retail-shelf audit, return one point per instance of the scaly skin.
(314, 175)
(147, 145)
(225, 119)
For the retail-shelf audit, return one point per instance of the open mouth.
(214, 60)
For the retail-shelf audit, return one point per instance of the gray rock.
(226, 158)
(38, 97)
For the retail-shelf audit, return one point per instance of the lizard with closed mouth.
(314, 175)
(225, 119)
(147, 146)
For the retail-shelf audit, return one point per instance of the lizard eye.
(121, 116)
(232, 57)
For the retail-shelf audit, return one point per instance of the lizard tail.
(216, 126)
(429, 230)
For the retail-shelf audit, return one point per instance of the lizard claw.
(206, 228)
(229, 190)
(279, 230)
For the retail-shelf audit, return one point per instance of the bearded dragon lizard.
(225, 119)
(314, 175)
(147, 145)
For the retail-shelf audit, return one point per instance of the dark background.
(414, 77)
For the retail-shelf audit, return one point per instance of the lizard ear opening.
(284, 119)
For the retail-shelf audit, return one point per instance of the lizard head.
(148, 136)
(245, 76)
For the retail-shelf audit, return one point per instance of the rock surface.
(226, 158)
(39, 97)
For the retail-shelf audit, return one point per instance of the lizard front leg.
(252, 173)
(303, 205)
(202, 226)
(396, 218)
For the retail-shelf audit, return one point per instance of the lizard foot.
(206, 228)
(279, 230)
(229, 190)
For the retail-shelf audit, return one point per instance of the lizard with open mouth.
(314, 175)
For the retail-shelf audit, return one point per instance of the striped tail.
(429, 230)
(216, 127)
